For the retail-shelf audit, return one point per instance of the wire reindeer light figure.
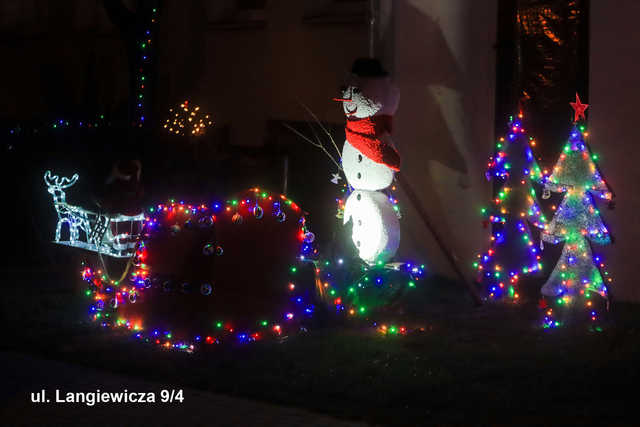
(76, 218)
(98, 236)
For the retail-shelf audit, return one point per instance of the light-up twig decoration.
(187, 120)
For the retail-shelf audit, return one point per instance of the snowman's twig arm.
(335, 146)
(315, 135)
(331, 157)
(320, 146)
(292, 129)
(311, 113)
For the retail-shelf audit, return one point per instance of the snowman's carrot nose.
(342, 100)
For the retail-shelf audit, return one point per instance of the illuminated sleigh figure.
(89, 230)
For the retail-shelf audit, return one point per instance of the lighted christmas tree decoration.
(512, 252)
(111, 235)
(578, 275)
(187, 120)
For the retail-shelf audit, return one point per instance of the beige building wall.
(444, 64)
(614, 68)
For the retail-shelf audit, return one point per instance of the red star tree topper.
(579, 108)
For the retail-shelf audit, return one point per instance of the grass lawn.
(488, 365)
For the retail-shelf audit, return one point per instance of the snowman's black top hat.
(368, 67)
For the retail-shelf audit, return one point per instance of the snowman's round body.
(362, 172)
(369, 104)
(376, 230)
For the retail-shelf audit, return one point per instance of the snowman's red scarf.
(364, 135)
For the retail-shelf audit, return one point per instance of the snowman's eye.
(359, 158)
(355, 90)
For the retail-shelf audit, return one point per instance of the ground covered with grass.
(487, 365)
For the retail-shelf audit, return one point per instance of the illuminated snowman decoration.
(370, 160)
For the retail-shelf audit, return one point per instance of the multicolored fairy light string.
(366, 292)
(512, 252)
(578, 275)
(109, 296)
(145, 58)
(96, 122)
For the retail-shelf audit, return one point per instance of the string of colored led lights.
(360, 291)
(145, 59)
(512, 252)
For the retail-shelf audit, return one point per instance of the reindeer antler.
(50, 180)
(66, 182)
(55, 181)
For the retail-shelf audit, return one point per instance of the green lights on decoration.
(512, 252)
(362, 292)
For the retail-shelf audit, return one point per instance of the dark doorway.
(542, 61)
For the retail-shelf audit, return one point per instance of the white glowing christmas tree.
(577, 222)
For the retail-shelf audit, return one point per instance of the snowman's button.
(358, 243)
(359, 176)
(359, 158)
(359, 222)
(359, 196)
